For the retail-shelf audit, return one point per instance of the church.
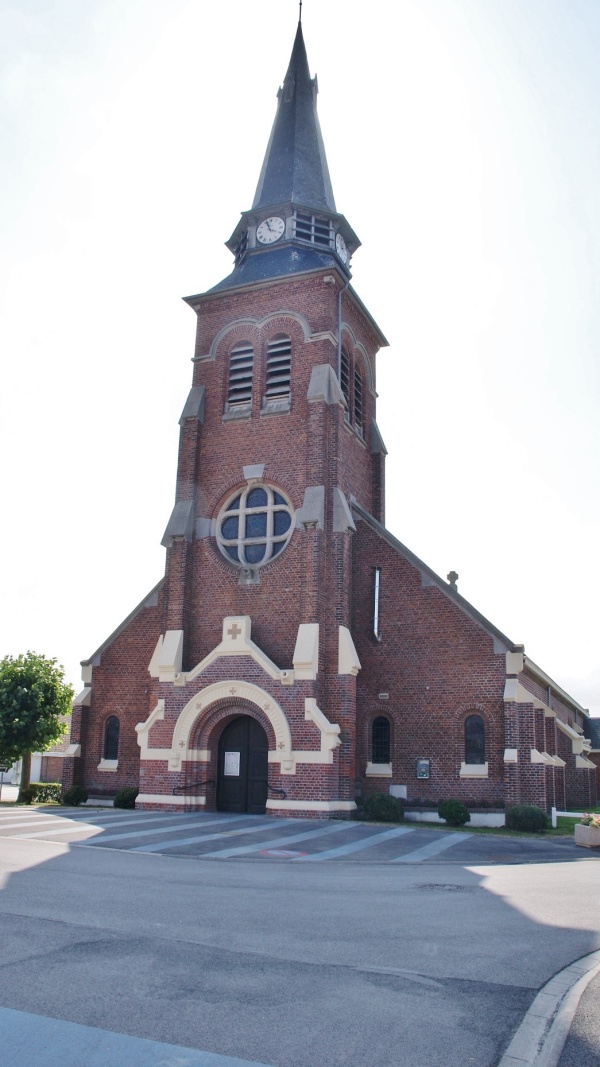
(296, 656)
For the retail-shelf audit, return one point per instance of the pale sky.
(463, 144)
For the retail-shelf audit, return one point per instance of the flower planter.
(587, 836)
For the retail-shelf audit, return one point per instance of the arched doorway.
(243, 767)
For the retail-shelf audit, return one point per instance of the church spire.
(295, 166)
(293, 225)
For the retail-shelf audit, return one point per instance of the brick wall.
(436, 665)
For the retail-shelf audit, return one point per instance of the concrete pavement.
(33, 1039)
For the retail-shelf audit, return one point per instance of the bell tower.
(278, 434)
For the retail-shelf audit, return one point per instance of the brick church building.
(296, 654)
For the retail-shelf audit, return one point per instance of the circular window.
(254, 526)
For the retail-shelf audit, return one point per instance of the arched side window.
(111, 738)
(474, 739)
(241, 367)
(380, 740)
(279, 369)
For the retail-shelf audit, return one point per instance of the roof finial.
(300, 11)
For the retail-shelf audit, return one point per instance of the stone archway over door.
(243, 767)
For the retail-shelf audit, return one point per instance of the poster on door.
(231, 767)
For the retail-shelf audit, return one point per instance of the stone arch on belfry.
(233, 691)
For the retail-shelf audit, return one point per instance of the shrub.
(381, 807)
(47, 791)
(125, 798)
(526, 817)
(41, 793)
(75, 796)
(454, 812)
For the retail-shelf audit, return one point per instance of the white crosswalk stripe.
(161, 846)
(64, 821)
(24, 813)
(432, 849)
(219, 821)
(28, 822)
(118, 816)
(70, 826)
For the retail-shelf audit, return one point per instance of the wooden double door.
(243, 767)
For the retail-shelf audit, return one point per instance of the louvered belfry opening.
(241, 363)
(313, 228)
(345, 382)
(358, 402)
(279, 368)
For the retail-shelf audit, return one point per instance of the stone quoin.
(296, 655)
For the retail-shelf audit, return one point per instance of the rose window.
(255, 526)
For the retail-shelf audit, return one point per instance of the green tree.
(34, 703)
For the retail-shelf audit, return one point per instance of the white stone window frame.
(269, 539)
(108, 764)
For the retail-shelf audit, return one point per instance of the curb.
(541, 1036)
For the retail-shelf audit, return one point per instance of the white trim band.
(311, 805)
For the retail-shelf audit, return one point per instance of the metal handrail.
(279, 792)
(193, 785)
(190, 786)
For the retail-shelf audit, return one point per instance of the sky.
(463, 144)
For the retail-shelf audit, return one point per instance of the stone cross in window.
(234, 631)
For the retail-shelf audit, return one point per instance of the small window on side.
(111, 738)
(380, 740)
(474, 739)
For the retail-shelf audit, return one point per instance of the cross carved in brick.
(267, 707)
(234, 631)
(182, 744)
(232, 691)
(281, 745)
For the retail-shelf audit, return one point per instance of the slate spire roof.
(294, 181)
(295, 166)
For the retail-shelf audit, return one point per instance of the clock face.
(270, 230)
(340, 247)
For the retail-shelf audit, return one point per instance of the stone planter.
(587, 836)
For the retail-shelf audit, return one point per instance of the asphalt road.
(355, 960)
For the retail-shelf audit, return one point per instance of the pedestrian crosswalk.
(432, 849)
(358, 846)
(214, 836)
